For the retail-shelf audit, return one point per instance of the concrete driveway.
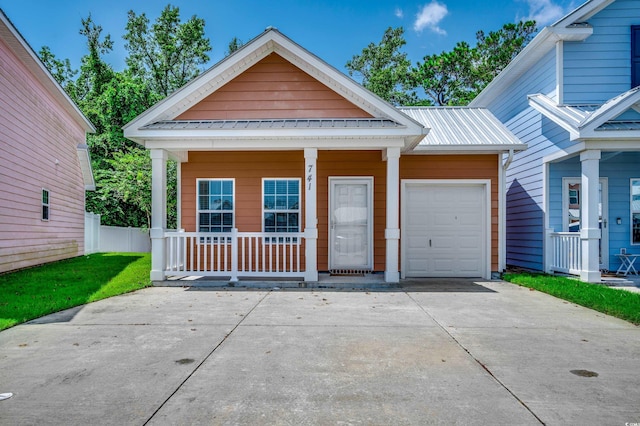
(434, 352)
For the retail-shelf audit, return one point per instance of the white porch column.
(310, 215)
(589, 216)
(392, 230)
(158, 212)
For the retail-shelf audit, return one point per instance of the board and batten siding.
(448, 167)
(599, 68)
(273, 89)
(38, 149)
(524, 178)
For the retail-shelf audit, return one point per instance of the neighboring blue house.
(573, 197)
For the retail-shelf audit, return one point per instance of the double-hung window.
(281, 205)
(215, 205)
(635, 211)
(45, 204)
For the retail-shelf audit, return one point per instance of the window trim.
(631, 211)
(298, 210)
(45, 205)
(233, 195)
(635, 60)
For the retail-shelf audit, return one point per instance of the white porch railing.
(565, 253)
(234, 254)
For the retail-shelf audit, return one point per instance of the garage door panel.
(453, 218)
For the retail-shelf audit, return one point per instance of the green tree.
(128, 183)
(445, 77)
(384, 68)
(60, 70)
(122, 99)
(94, 71)
(456, 77)
(110, 99)
(168, 53)
(234, 45)
(497, 49)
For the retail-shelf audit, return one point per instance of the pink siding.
(35, 131)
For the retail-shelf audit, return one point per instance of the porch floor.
(325, 280)
(629, 283)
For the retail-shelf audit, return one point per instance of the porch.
(592, 214)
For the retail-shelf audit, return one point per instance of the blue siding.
(595, 71)
(618, 168)
(541, 79)
(524, 192)
(599, 68)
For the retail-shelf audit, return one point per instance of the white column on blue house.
(392, 230)
(158, 213)
(589, 216)
(310, 215)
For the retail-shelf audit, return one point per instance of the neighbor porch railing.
(234, 254)
(565, 252)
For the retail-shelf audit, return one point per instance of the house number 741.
(310, 175)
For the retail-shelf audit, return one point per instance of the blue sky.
(334, 30)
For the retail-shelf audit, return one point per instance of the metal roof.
(459, 126)
(619, 125)
(582, 119)
(338, 123)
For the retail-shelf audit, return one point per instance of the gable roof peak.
(572, 27)
(268, 42)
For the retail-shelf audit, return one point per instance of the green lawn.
(38, 291)
(618, 303)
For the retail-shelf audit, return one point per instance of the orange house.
(288, 168)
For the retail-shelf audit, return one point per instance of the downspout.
(509, 160)
(502, 255)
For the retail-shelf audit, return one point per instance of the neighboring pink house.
(44, 161)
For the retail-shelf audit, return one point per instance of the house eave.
(549, 109)
(274, 138)
(629, 136)
(468, 149)
(14, 40)
(281, 144)
(85, 166)
(544, 42)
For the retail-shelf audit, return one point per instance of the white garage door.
(444, 230)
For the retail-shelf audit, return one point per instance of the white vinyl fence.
(91, 233)
(115, 238)
(99, 238)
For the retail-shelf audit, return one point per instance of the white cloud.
(399, 13)
(430, 17)
(544, 12)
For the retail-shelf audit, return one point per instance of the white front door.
(571, 198)
(350, 224)
(444, 229)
